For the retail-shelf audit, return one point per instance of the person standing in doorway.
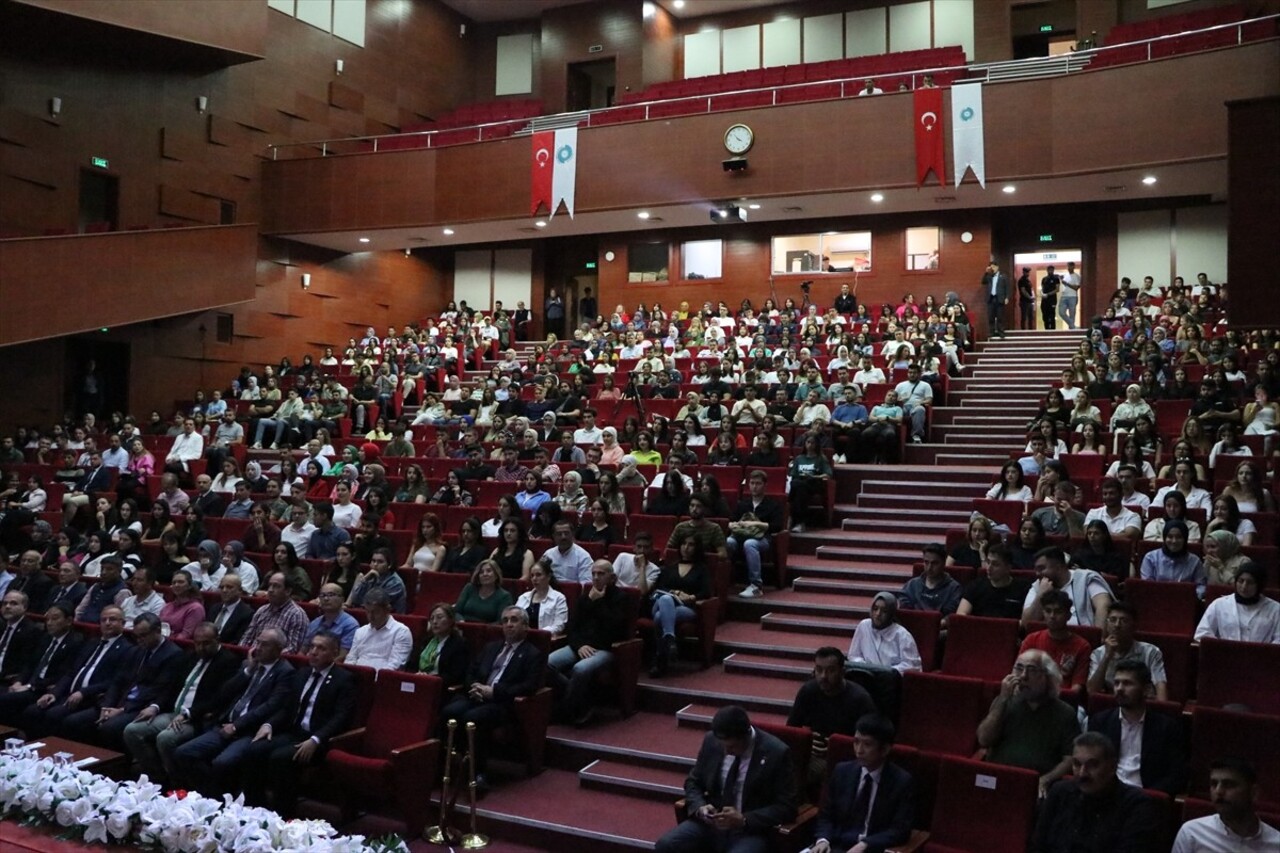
(996, 285)
(587, 307)
(1070, 295)
(553, 313)
(1026, 300)
(1049, 286)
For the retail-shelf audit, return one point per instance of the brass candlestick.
(473, 840)
(443, 834)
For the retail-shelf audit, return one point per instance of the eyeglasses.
(1024, 668)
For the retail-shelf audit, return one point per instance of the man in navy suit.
(149, 680)
(1158, 761)
(87, 679)
(742, 785)
(230, 617)
(32, 580)
(322, 703)
(96, 478)
(504, 671)
(870, 803)
(56, 650)
(19, 637)
(997, 287)
(207, 762)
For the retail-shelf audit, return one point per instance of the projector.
(728, 213)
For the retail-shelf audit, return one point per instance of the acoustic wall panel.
(782, 43)
(1144, 246)
(824, 38)
(515, 64)
(953, 24)
(740, 49)
(348, 20)
(909, 27)
(1200, 242)
(512, 278)
(866, 32)
(317, 13)
(702, 54)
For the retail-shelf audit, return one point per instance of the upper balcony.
(1082, 127)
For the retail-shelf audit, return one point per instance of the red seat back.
(404, 711)
(922, 726)
(983, 806)
(1216, 733)
(925, 627)
(980, 647)
(1233, 673)
(1165, 607)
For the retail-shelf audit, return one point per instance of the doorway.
(591, 85)
(1037, 264)
(99, 201)
(97, 376)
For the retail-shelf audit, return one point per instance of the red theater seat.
(1234, 673)
(982, 807)
(978, 647)
(1215, 733)
(954, 732)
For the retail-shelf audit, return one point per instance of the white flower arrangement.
(54, 792)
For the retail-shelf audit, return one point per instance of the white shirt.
(118, 458)
(385, 648)
(553, 611)
(628, 573)
(574, 567)
(1227, 619)
(186, 447)
(1211, 835)
(347, 516)
(595, 435)
(892, 646)
(1118, 523)
(1129, 765)
(1198, 499)
(300, 539)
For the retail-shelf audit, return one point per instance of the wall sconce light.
(55, 106)
(306, 281)
(202, 104)
(337, 67)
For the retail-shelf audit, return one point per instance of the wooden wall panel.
(568, 32)
(1253, 210)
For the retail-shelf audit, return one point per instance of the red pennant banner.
(929, 135)
(543, 167)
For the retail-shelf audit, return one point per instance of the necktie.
(43, 666)
(243, 704)
(730, 798)
(862, 804)
(88, 668)
(500, 664)
(4, 642)
(223, 616)
(312, 684)
(196, 672)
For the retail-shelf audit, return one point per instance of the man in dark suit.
(230, 616)
(32, 580)
(321, 705)
(762, 508)
(504, 671)
(1159, 762)
(150, 679)
(55, 651)
(86, 680)
(212, 503)
(742, 785)
(96, 478)
(870, 803)
(19, 637)
(208, 762)
(158, 729)
(996, 286)
(70, 588)
(599, 621)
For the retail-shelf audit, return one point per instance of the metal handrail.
(971, 72)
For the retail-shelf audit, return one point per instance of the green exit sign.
(1046, 238)
(591, 265)
(100, 162)
(1046, 28)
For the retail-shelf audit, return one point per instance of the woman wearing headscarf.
(1222, 557)
(628, 475)
(611, 452)
(253, 476)
(350, 459)
(209, 559)
(234, 562)
(1173, 562)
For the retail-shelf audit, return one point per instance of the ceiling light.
(648, 10)
(1009, 189)
(644, 214)
(1149, 180)
(753, 207)
(541, 223)
(679, 4)
(448, 232)
(364, 239)
(877, 197)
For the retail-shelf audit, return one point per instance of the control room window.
(648, 262)
(701, 259)
(922, 248)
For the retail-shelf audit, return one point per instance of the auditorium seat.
(920, 725)
(925, 627)
(392, 760)
(525, 741)
(1215, 733)
(982, 807)
(1180, 658)
(1165, 607)
(1232, 673)
(979, 647)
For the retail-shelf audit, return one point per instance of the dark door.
(591, 85)
(97, 375)
(99, 201)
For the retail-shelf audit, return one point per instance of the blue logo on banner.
(565, 154)
(966, 113)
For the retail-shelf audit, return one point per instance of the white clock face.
(738, 139)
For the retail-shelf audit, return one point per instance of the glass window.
(648, 262)
(922, 248)
(702, 259)
(834, 251)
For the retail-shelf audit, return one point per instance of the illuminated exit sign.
(100, 162)
(1046, 238)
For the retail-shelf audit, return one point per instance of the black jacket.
(37, 586)
(58, 664)
(770, 510)
(1163, 763)
(768, 791)
(892, 812)
(1122, 819)
(205, 704)
(335, 704)
(599, 623)
(271, 694)
(22, 646)
(147, 680)
(114, 662)
(522, 677)
(236, 625)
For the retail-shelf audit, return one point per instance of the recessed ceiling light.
(679, 4)
(877, 197)
(448, 232)
(364, 239)
(541, 223)
(644, 214)
(753, 207)
(1009, 188)
(1149, 180)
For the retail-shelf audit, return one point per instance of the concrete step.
(716, 687)
(877, 515)
(936, 521)
(911, 501)
(637, 742)
(798, 645)
(942, 488)
(907, 554)
(812, 623)
(697, 716)
(844, 586)
(768, 667)
(633, 780)
(828, 605)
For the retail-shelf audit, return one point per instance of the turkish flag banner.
(543, 166)
(929, 141)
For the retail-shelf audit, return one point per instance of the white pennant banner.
(968, 147)
(564, 178)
